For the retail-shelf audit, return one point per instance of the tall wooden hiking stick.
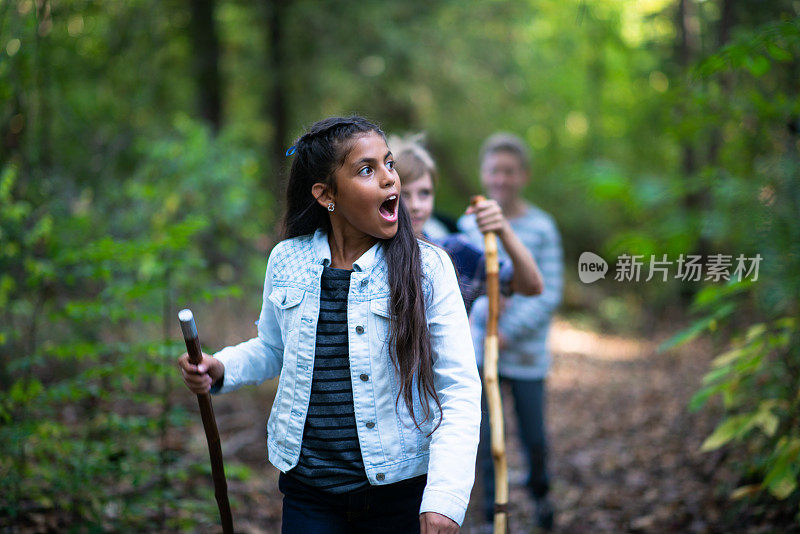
(209, 423)
(491, 383)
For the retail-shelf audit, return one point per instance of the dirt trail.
(624, 449)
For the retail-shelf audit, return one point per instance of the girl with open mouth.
(377, 410)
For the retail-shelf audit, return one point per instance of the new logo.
(591, 267)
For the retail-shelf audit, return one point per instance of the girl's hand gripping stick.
(192, 340)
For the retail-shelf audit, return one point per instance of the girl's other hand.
(199, 378)
(489, 216)
(433, 523)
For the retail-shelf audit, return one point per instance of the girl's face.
(367, 196)
(418, 197)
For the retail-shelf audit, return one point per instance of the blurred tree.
(206, 61)
(277, 103)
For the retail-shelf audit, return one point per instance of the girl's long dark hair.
(317, 155)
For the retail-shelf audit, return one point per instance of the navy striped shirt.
(330, 456)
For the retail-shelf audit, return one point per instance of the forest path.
(624, 450)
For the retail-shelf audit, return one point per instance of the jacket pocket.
(380, 306)
(287, 300)
(289, 303)
(286, 297)
(380, 318)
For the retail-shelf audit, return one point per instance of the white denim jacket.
(392, 448)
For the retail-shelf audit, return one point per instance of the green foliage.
(774, 43)
(757, 378)
(762, 403)
(117, 206)
(87, 341)
(116, 209)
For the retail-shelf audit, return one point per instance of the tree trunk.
(688, 46)
(276, 99)
(595, 80)
(43, 151)
(723, 36)
(205, 41)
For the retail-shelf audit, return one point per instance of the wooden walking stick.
(209, 423)
(491, 382)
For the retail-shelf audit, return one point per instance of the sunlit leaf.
(746, 491)
(730, 428)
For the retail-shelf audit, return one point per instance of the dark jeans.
(529, 407)
(393, 508)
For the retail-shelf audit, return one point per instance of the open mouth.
(388, 209)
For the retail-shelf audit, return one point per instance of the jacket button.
(359, 329)
(380, 477)
(370, 424)
(364, 377)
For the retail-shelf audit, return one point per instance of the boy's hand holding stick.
(209, 423)
(492, 383)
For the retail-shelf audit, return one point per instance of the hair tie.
(291, 150)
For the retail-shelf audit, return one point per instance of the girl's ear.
(322, 193)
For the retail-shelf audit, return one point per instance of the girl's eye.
(390, 164)
(425, 193)
(365, 171)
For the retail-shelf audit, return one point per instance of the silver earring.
(330, 206)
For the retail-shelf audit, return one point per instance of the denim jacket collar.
(366, 262)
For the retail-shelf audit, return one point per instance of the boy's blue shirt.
(470, 264)
(525, 321)
(392, 447)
